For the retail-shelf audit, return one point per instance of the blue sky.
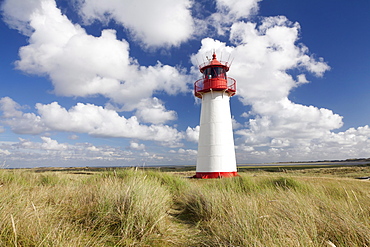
(109, 83)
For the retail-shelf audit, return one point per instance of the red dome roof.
(213, 62)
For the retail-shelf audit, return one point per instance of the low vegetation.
(131, 207)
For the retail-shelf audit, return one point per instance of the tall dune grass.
(130, 207)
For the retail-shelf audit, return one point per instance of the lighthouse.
(216, 152)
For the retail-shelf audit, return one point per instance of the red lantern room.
(214, 78)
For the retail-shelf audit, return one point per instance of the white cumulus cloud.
(79, 64)
(187, 151)
(136, 146)
(153, 111)
(85, 118)
(50, 144)
(17, 14)
(154, 23)
(230, 11)
(192, 134)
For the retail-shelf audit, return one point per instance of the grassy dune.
(128, 207)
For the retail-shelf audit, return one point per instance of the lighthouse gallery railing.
(205, 85)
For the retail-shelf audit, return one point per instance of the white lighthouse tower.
(216, 152)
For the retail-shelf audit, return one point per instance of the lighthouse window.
(215, 72)
(220, 72)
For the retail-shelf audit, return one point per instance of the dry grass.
(152, 208)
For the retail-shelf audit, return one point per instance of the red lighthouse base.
(205, 175)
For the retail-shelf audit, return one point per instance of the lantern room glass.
(214, 72)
